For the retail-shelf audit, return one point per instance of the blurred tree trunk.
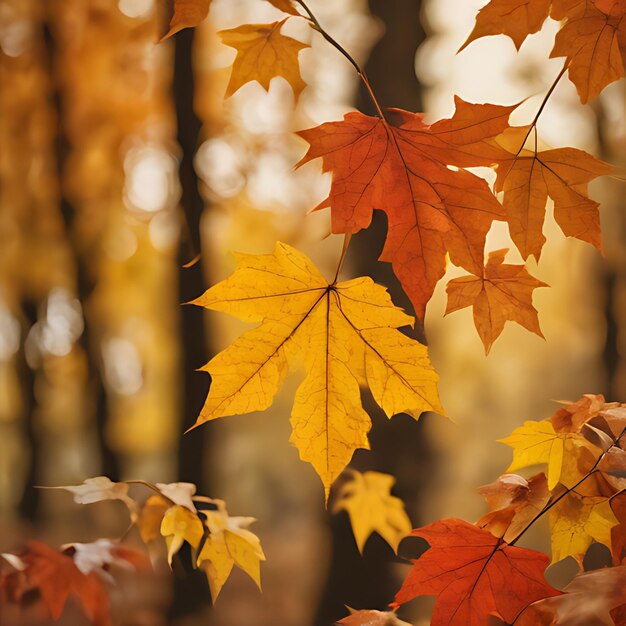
(397, 445)
(190, 588)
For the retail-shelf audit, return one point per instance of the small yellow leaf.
(576, 521)
(229, 543)
(371, 507)
(537, 443)
(150, 518)
(344, 334)
(179, 525)
(263, 53)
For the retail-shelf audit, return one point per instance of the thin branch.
(333, 42)
(542, 106)
(346, 242)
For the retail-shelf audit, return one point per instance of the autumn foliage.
(345, 335)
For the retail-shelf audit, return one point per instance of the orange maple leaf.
(187, 14)
(515, 18)
(593, 40)
(56, 577)
(399, 165)
(474, 575)
(263, 53)
(529, 177)
(501, 293)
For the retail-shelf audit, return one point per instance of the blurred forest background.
(120, 163)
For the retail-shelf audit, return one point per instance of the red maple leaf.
(474, 575)
(400, 165)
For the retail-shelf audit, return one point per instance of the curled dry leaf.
(514, 502)
(501, 293)
(98, 489)
(574, 415)
(179, 493)
(474, 575)
(367, 499)
(590, 599)
(346, 335)
(263, 53)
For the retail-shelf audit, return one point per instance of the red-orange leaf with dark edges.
(501, 293)
(474, 575)
(400, 165)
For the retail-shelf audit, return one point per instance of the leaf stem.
(154, 488)
(542, 106)
(552, 503)
(333, 42)
(344, 249)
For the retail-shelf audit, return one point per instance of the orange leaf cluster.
(592, 37)
(477, 572)
(78, 570)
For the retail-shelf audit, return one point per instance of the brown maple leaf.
(501, 293)
(399, 165)
(593, 40)
(515, 18)
(527, 178)
(474, 575)
(514, 502)
(592, 598)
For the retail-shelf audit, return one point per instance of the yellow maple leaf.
(371, 507)
(578, 520)
(345, 334)
(263, 53)
(179, 524)
(229, 543)
(537, 443)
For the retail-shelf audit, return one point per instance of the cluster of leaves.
(417, 173)
(476, 570)
(174, 513)
(346, 335)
